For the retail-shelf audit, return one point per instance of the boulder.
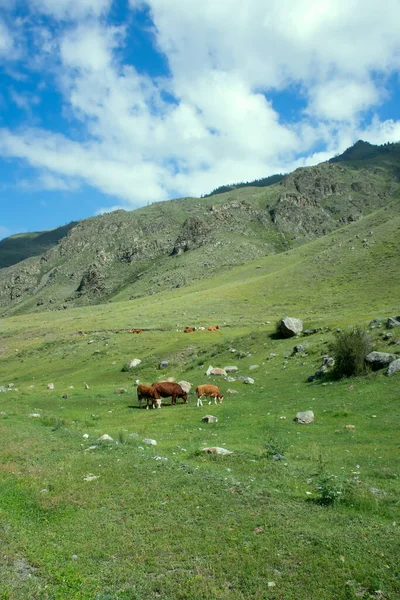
(231, 369)
(216, 450)
(289, 327)
(305, 417)
(163, 364)
(393, 322)
(210, 419)
(248, 380)
(185, 385)
(215, 371)
(50, 386)
(379, 360)
(133, 363)
(105, 438)
(394, 367)
(150, 442)
(298, 349)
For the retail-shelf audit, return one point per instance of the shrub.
(330, 488)
(349, 349)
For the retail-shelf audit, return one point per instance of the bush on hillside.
(349, 349)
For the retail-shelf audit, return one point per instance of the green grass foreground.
(127, 521)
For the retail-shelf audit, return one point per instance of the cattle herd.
(164, 389)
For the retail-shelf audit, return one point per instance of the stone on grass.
(230, 391)
(252, 367)
(185, 385)
(90, 477)
(350, 427)
(304, 417)
(150, 442)
(394, 367)
(216, 371)
(105, 438)
(34, 415)
(210, 419)
(248, 380)
(289, 326)
(133, 363)
(231, 369)
(50, 386)
(120, 391)
(379, 360)
(163, 364)
(393, 322)
(10, 385)
(216, 450)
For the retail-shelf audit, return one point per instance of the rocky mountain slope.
(172, 243)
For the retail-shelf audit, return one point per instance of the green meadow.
(119, 519)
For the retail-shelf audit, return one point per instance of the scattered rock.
(85, 436)
(394, 367)
(229, 391)
(34, 415)
(134, 435)
(163, 364)
(50, 386)
(231, 369)
(216, 371)
(289, 326)
(379, 360)
(271, 356)
(210, 419)
(90, 477)
(298, 349)
(252, 367)
(3, 414)
(133, 363)
(248, 380)
(105, 438)
(10, 385)
(351, 427)
(150, 442)
(216, 450)
(393, 322)
(65, 396)
(388, 335)
(230, 379)
(120, 391)
(278, 457)
(185, 385)
(86, 386)
(90, 448)
(305, 417)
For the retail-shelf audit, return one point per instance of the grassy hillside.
(171, 244)
(24, 245)
(84, 519)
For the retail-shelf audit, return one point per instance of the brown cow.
(136, 331)
(167, 388)
(149, 393)
(210, 391)
(213, 328)
(189, 329)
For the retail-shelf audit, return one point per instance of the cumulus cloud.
(211, 119)
(6, 40)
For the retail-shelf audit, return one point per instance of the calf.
(150, 394)
(213, 328)
(167, 388)
(210, 391)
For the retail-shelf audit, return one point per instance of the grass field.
(126, 520)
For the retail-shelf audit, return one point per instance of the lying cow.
(148, 393)
(213, 328)
(210, 391)
(167, 388)
(189, 329)
(137, 331)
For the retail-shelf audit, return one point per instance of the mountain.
(126, 255)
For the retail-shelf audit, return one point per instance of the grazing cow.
(148, 393)
(189, 329)
(137, 331)
(167, 388)
(210, 391)
(213, 328)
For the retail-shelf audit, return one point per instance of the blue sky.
(120, 103)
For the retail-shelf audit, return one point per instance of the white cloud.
(6, 40)
(225, 60)
(71, 10)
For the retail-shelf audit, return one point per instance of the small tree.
(349, 349)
